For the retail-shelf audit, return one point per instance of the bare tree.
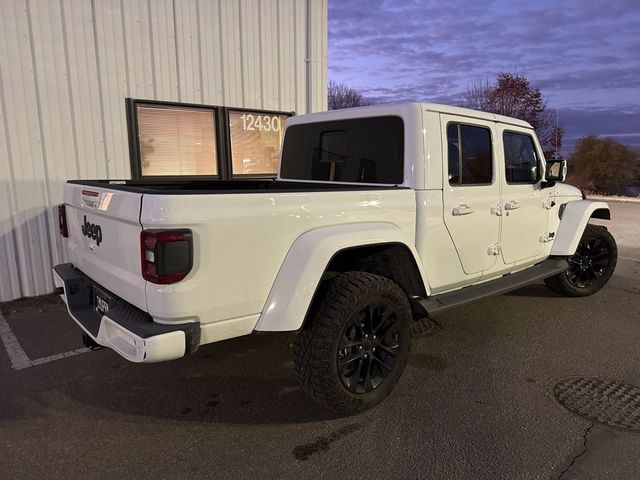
(512, 95)
(342, 96)
(477, 95)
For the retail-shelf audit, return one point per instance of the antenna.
(557, 131)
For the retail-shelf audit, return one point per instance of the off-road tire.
(562, 283)
(317, 347)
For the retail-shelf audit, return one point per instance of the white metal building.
(67, 66)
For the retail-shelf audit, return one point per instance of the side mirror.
(556, 172)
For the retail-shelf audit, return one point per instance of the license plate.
(101, 302)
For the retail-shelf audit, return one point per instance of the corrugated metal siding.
(66, 67)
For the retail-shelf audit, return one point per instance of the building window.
(256, 138)
(469, 155)
(520, 158)
(176, 140)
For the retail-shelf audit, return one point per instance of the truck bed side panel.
(241, 242)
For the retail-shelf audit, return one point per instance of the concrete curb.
(612, 198)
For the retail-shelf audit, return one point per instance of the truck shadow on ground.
(247, 380)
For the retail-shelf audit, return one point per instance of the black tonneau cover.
(192, 187)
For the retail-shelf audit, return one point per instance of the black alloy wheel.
(368, 348)
(589, 263)
(590, 267)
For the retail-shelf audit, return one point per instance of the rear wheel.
(353, 351)
(591, 267)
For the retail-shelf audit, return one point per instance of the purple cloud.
(581, 54)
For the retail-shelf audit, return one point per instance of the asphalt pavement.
(476, 400)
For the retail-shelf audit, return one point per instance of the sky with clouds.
(584, 55)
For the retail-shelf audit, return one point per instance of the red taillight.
(62, 220)
(166, 255)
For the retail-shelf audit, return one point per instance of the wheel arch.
(601, 213)
(318, 255)
(393, 260)
(575, 217)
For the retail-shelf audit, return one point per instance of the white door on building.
(524, 202)
(471, 191)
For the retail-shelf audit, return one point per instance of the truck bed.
(199, 187)
(233, 233)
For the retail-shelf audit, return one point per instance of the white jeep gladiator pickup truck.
(380, 215)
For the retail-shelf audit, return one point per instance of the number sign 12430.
(262, 123)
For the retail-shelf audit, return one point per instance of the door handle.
(462, 210)
(512, 205)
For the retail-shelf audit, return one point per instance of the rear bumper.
(124, 328)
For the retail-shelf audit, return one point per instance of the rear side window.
(360, 150)
(520, 158)
(469, 155)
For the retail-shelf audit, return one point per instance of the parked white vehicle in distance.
(380, 215)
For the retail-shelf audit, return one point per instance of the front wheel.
(353, 351)
(591, 267)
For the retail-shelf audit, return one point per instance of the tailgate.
(104, 238)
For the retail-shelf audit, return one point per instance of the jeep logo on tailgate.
(92, 230)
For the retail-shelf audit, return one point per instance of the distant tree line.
(603, 165)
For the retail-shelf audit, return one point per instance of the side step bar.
(506, 283)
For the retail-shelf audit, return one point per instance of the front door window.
(521, 162)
